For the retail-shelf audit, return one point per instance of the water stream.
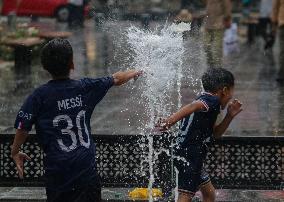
(159, 53)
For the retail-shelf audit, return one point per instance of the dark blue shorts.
(190, 180)
(192, 174)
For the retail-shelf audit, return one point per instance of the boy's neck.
(209, 93)
(213, 94)
(60, 78)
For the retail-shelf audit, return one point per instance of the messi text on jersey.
(70, 103)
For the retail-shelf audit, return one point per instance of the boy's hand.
(123, 77)
(162, 125)
(19, 159)
(234, 108)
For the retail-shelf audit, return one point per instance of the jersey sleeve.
(99, 86)
(209, 102)
(28, 113)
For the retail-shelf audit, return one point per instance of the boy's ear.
(225, 90)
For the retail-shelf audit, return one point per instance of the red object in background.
(47, 8)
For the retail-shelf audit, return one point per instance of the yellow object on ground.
(142, 193)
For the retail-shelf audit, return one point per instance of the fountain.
(159, 54)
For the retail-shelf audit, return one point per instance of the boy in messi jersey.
(61, 110)
(198, 129)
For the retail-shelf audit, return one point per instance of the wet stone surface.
(121, 194)
(102, 52)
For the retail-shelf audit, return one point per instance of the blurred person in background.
(76, 13)
(265, 26)
(250, 21)
(246, 10)
(277, 19)
(218, 17)
(183, 16)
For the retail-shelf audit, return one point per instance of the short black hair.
(56, 57)
(215, 79)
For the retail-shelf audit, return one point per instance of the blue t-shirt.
(61, 111)
(197, 129)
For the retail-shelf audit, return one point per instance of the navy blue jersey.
(197, 129)
(61, 111)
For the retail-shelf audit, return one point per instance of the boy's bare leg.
(208, 192)
(184, 197)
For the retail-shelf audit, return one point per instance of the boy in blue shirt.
(198, 129)
(61, 110)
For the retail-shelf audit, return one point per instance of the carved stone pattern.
(125, 162)
(246, 163)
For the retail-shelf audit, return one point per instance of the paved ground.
(121, 194)
(100, 53)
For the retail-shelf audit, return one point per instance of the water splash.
(176, 188)
(159, 54)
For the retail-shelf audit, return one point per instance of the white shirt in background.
(265, 8)
(231, 40)
(76, 2)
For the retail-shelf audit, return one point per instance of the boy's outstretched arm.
(185, 111)
(19, 157)
(234, 108)
(123, 77)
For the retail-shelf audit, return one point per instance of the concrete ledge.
(22, 194)
(37, 194)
